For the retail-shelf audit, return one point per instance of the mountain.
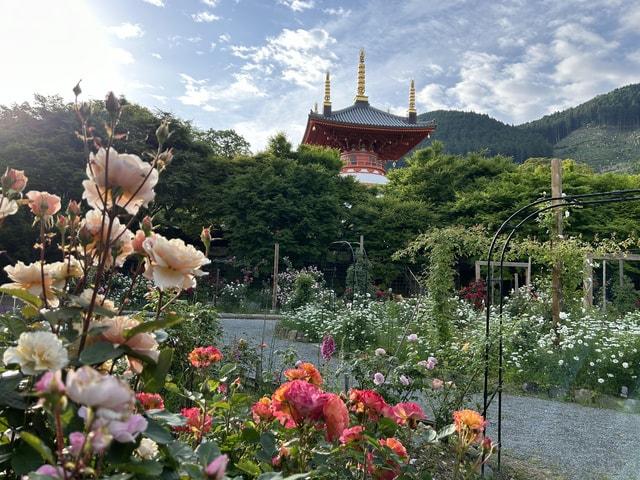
(603, 132)
(462, 132)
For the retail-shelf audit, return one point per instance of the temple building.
(367, 137)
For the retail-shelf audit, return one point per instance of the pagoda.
(367, 137)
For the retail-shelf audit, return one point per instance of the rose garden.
(114, 364)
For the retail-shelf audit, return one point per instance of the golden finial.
(360, 96)
(327, 90)
(412, 98)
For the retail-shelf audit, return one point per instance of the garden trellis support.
(529, 212)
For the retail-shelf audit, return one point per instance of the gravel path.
(582, 443)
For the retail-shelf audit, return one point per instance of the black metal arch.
(582, 200)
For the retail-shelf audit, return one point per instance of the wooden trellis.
(588, 274)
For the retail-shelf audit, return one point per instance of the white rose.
(147, 449)
(7, 207)
(89, 387)
(126, 173)
(37, 352)
(172, 263)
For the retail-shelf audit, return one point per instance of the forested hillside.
(603, 133)
(619, 108)
(463, 132)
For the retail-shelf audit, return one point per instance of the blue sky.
(258, 65)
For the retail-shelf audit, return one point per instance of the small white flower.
(147, 449)
(610, 375)
(625, 365)
(601, 380)
(560, 362)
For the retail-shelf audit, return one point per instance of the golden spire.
(412, 98)
(327, 90)
(360, 96)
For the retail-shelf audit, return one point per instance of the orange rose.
(336, 416)
(306, 371)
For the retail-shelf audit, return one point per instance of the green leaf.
(14, 324)
(226, 369)
(167, 418)
(157, 432)
(250, 435)
(153, 376)
(207, 452)
(268, 443)
(117, 476)
(97, 309)
(248, 466)
(29, 312)
(8, 395)
(99, 352)
(149, 468)
(25, 459)
(23, 295)
(38, 445)
(169, 320)
(446, 431)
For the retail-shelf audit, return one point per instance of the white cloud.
(127, 30)
(432, 97)
(210, 3)
(225, 37)
(297, 5)
(156, 3)
(161, 98)
(204, 17)
(156, 55)
(200, 93)
(302, 56)
(120, 55)
(212, 46)
(338, 12)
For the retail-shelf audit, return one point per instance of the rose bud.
(162, 132)
(112, 104)
(147, 225)
(14, 180)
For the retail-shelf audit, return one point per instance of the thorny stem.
(59, 438)
(42, 240)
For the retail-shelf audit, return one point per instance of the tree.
(225, 143)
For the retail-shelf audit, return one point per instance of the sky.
(257, 66)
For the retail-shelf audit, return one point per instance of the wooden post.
(621, 271)
(215, 298)
(517, 287)
(477, 271)
(587, 281)
(556, 285)
(276, 261)
(362, 243)
(528, 280)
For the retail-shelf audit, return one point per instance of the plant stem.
(44, 287)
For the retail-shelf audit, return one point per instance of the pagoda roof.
(361, 113)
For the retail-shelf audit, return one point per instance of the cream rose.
(87, 386)
(142, 343)
(172, 263)
(43, 204)
(147, 449)
(60, 271)
(7, 207)
(37, 352)
(29, 278)
(126, 173)
(120, 240)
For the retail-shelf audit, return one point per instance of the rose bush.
(85, 378)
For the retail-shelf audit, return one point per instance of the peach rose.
(120, 241)
(127, 174)
(172, 263)
(29, 278)
(336, 416)
(43, 204)
(143, 344)
(305, 371)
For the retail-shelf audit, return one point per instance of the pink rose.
(14, 180)
(216, 469)
(76, 439)
(127, 431)
(437, 384)
(50, 382)
(43, 204)
(87, 386)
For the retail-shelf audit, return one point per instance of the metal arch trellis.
(582, 200)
